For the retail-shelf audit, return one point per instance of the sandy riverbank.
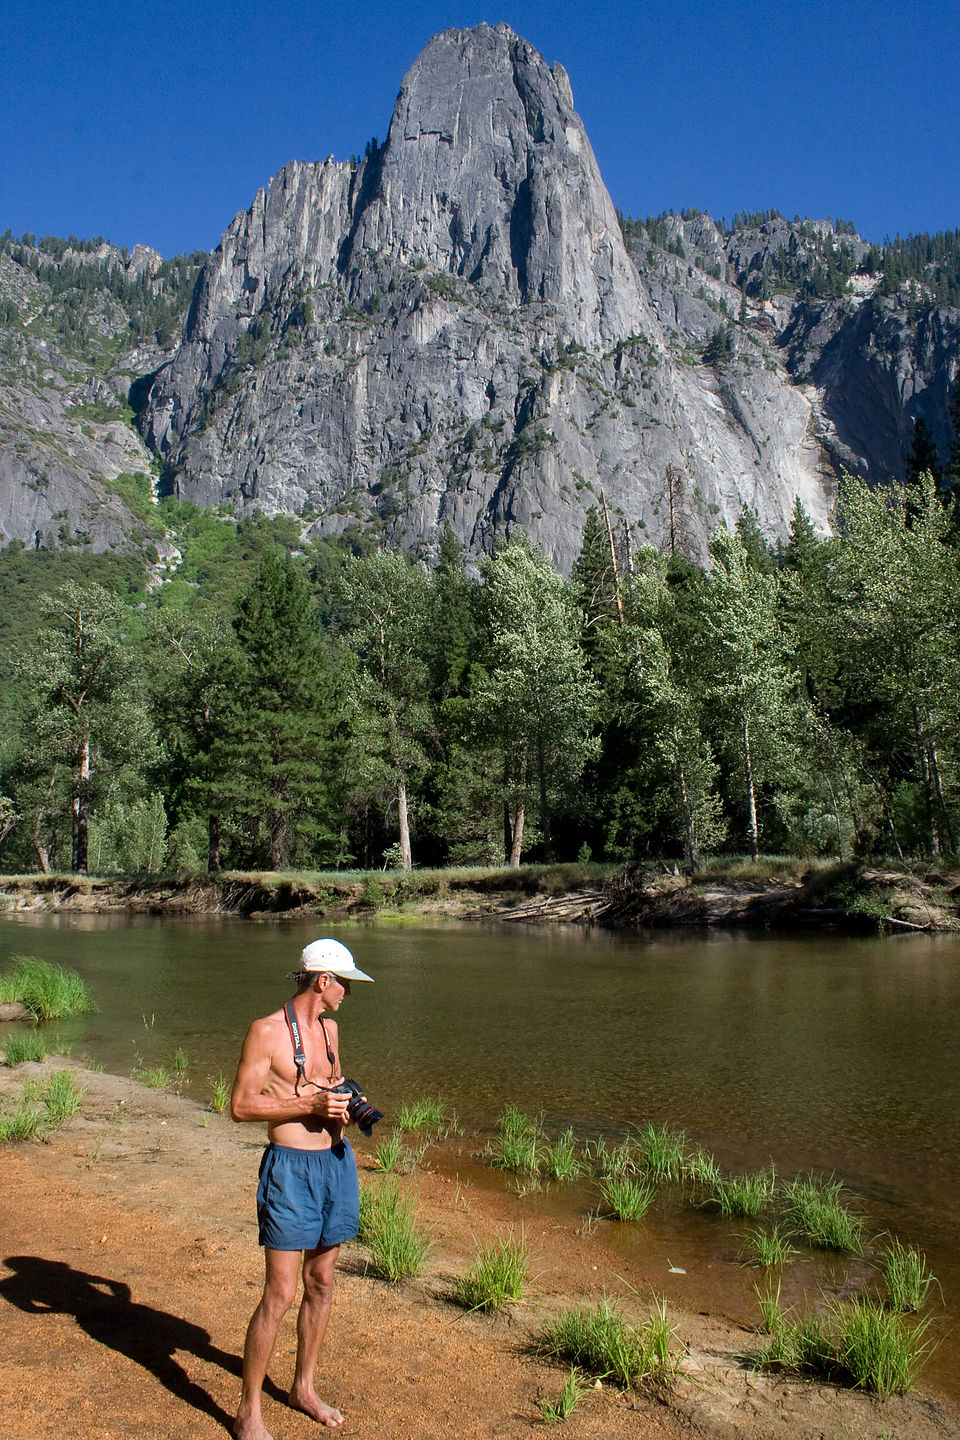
(130, 1267)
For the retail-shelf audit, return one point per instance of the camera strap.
(299, 1058)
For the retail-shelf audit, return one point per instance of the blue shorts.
(307, 1198)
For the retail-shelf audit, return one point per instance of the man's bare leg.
(318, 1267)
(280, 1287)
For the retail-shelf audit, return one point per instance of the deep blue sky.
(157, 121)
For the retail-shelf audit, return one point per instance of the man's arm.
(247, 1100)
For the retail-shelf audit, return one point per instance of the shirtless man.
(308, 1198)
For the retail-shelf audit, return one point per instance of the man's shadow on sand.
(105, 1310)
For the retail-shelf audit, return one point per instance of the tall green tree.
(751, 690)
(386, 598)
(272, 757)
(86, 729)
(537, 702)
(897, 618)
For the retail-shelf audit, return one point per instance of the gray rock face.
(455, 332)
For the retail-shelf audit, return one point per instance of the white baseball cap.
(329, 957)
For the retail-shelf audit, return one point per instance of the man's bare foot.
(250, 1428)
(310, 1403)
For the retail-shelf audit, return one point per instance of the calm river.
(836, 1055)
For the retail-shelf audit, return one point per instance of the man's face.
(334, 992)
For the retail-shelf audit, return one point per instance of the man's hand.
(331, 1106)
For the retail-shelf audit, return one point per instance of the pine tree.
(274, 749)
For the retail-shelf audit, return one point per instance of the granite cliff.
(459, 327)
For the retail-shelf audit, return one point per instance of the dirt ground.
(130, 1268)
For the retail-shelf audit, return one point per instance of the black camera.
(359, 1111)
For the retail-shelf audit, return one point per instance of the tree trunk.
(403, 819)
(689, 828)
(752, 834)
(213, 844)
(544, 802)
(944, 828)
(516, 839)
(80, 848)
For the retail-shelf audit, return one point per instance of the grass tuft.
(905, 1276)
(517, 1144)
(50, 991)
(742, 1195)
(877, 1348)
(62, 1096)
(26, 1123)
(553, 1411)
(27, 1045)
(626, 1197)
(662, 1152)
(763, 1248)
(429, 1113)
(604, 1343)
(155, 1077)
(220, 1093)
(819, 1216)
(559, 1160)
(498, 1274)
(874, 1348)
(389, 1228)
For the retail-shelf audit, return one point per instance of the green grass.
(27, 1045)
(701, 1172)
(220, 1093)
(743, 1195)
(662, 1152)
(517, 1144)
(877, 1348)
(391, 1154)
(857, 1340)
(429, 1113)
(389, 1228)
(61, 1095)
(905, 1276)
(603, 1160)
(553, 1411)
(498, 1274)
(559, 1160)
(767, 1247)
(180, 1064)
(603, 1342)
(155, 1077)
(626, 1197)
(25, 1123)
(819, 1217)
(50, 991)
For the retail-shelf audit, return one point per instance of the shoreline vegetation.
(583, 1323)
(776, 893)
